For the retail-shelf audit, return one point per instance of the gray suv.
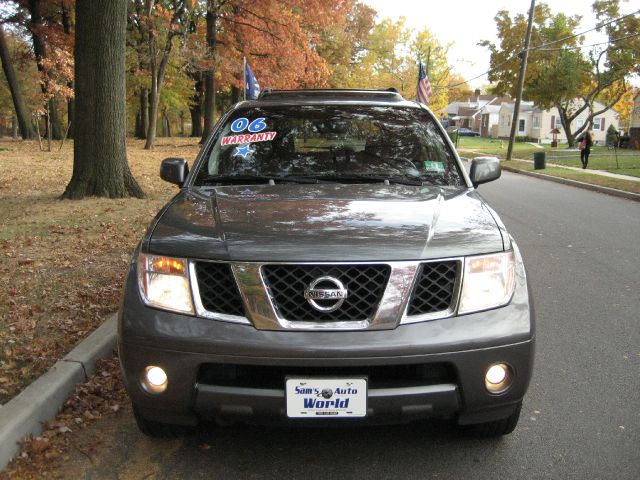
(327, 259)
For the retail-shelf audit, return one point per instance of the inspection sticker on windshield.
(326, 397)
(434, 166)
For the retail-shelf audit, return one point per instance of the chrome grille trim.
(197, 300)
(262, 314)
(455, 299)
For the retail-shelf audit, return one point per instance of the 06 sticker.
(255, 126)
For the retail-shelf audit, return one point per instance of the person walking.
(586, 142)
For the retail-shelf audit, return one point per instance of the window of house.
(597, 124)
(558, 122)
(536, 122)
(521, 123)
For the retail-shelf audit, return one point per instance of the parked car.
(327, 259)
(466, 132)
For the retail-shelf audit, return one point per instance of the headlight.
(164, 282)
(488, 282)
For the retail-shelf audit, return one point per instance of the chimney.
(477, 92)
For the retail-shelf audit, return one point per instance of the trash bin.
(539, 160)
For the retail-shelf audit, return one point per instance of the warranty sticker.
(248, 138)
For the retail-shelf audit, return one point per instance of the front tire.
(154, 429)
(496, 428)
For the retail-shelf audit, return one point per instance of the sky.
(466, 22)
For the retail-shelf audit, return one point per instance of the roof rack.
(389, 94)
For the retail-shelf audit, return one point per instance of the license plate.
(326, 397)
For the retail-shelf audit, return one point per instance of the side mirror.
(484, 169)
(174, 170)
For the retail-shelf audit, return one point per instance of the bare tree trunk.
(158, 70)
(154, 99)
(209, 75)
(67, 25)
(40, 50)
(144, 111)
(137, 129)
(235, 95)
(167, 125)
(100, 166)
(196, 106)
(22, 113)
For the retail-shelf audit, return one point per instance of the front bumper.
(462, 346)
(464, 396)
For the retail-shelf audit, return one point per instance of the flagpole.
(244, 78)
(418, 83)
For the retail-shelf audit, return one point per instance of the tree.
(214, 11)
(343, 45)
(38, 30)
(100, 165)
(565, 74)
(458, 89)
(160, 24)
(22, 112)
(279, 38)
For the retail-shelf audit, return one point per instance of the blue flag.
(251, 85)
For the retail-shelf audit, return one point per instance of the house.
(537, 124)
(489, 119)
(469, 113)
(634, 124)
(525, 119)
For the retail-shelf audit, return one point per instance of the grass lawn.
(601, 157)
(491, 146)
(64, 261)
(581, 176)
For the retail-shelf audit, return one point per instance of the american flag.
(424, 87)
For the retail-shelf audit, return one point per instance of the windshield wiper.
(299, 179)
(369, 178)
(212, 179)
(259, 179)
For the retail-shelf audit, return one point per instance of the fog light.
(498, 378)
(155, 379)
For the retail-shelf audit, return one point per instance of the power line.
(481, 75)
(587, 46)
(539, 47)
(586, 31)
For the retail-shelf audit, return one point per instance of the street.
(581, 417)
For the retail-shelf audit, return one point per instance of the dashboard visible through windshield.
(346, 143)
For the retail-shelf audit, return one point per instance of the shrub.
(612, 136)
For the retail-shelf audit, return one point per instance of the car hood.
(325, 222)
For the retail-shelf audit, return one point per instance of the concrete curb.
(41, 400)
(574, 183)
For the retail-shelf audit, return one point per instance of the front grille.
(218, 290)
(434, 288)
(378, 376)
(365, 284)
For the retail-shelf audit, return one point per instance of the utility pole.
(523, 69)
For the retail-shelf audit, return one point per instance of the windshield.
(351, 143)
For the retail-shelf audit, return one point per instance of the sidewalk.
(628, 194)
(602, 173)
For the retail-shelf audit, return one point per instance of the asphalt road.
(581, 418)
